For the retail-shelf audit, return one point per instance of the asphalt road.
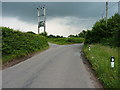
(60, 66)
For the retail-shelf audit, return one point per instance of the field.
(99, 57)
(64, 41)
(16, 44)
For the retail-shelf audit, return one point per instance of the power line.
(109, 7)
(105, 10)
(113, 5)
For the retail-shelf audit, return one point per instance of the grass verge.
(64, 41)
(99, 57)
(15, 61)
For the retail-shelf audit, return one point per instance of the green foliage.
(59, 36)
(99, 56)
(82, 34)
(72, 36)
(16, 44)
(53, 36)
(107, 35)
(43, 34)
(31, 32)
(63, 41)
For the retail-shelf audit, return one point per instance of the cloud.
(57, 26)
(65, 26)
(15, 23)
(27, 12)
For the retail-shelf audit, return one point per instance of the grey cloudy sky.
(63, 18)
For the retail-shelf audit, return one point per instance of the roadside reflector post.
(112, 60)
(89, 48)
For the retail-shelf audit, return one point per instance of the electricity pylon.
(41, 17)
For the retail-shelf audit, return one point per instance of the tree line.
(100, 33)
(105, 34)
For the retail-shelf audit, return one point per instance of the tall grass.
(16, 44)
(63, 41)
(99, 56)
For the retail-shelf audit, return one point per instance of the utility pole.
(106, 11)
(42, 15)
(118, 41)
(119, 7)
(44, 18)
(38, 10)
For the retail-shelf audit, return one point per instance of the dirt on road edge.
(92, 72)
(16, 61)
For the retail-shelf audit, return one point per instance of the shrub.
(101, 33)
(16, 44)
(63, 41)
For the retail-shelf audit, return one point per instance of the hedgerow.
(16, 44)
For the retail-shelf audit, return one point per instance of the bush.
(99, 57)
(43, 34)
(107, 35)
(63, 41)
(16, 44)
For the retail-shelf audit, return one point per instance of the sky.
(63, 18)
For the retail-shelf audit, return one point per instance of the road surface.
(60, 66)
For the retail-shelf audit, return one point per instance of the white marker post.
(89, 48)
(112, 60)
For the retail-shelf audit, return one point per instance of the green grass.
(16, 44)
(64, 41)
(99, 57)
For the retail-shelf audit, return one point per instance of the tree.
(82, 34)
(58, 36)
(106, 35)
(51, 36)
(70, 36)
(43, 34)
(30, 32)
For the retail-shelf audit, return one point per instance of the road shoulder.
(16, 61)
(93, 76)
